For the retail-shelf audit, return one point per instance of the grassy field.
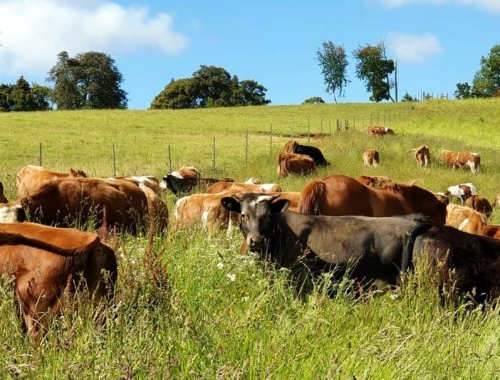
(194, 308)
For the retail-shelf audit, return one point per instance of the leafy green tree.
(22, 97)
(486, 83)
(374, 68)
(314, 100)
(463, 91)
(177, 94)
(210, 86)
(90, 80)
(409, 98)
(333, 62)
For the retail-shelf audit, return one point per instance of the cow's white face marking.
(9, 214)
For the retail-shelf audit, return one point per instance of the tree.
(374, 68)
(486, 82)
(22, 97)
(409, 98)
(210, 86)
(314, 100)
(464, 91)
(333, 62)
(90, 80)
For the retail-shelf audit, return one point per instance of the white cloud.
(487, 5)
(411, 48)
(33, 32)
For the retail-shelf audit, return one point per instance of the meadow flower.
(231, 276)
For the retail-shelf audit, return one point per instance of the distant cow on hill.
(371, 157)
(422, 156)
(379, 131)
(293, 147)
(461, 160)
(291, 163)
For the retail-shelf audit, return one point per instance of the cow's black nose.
(256, 242)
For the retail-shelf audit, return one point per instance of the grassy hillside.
(196, 308)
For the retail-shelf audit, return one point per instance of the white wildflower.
(220, 265)
(231, 276)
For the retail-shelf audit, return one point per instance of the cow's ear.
(280, 205)
(231, 204)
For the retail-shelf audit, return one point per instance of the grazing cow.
(291, 163)
(66, 203)
(204, 209)
(342, 195)
(479, 203)
(462, 191)
(375, 181)
(491, 231)
(461, 160)
(378, 131)
(371, 157)
(47, 262)
(464, 218)
(186, 172)
(368, 249)
(245, 187)
(2, 196)
(31, 177)
(422, 156)
(466, 265)
(293, 147)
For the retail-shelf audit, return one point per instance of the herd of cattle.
(383, 233)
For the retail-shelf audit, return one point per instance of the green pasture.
(192, 307)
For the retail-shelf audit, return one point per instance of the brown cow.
(375, 181)
(373, 130)
(491, 231)
(290, 146)
(496, 201)
(186, 172)
(66, 203)
(47, 262)
(461, 160)
(479, 203)
(31, 177)
(422, 156)
(464, 218)
(290, 163)
(147, 180)
(204, 209)
(371, 157)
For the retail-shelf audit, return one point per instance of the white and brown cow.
(371, 157)
(422, 155)
(461, 160)
(373, 130)
(465, 219)
(462, 191)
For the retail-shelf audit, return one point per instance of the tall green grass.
(190, 306)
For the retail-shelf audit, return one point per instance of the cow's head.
(179, 185)
(256, 212)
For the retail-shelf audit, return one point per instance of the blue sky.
(437, 43)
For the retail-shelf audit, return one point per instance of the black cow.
(312, 152)
(185, 185)
(466, 264)
(368, 248)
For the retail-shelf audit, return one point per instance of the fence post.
(114, 160)
(213, 156)
(40, 154)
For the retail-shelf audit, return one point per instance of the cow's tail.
(407, 262)
(311, 197)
